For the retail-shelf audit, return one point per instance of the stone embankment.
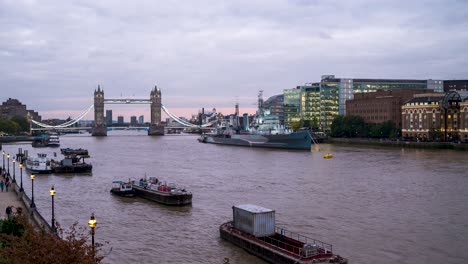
(399, 143)
(21, 200)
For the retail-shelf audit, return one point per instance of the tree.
(31, 246)
(9, 126)
(22, 123)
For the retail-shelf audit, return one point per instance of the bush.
(31, 246)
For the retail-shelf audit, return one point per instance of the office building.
(120, 120)
(457, 85)
(109, 117)
(141, 119)
(133, 120)
(274, 105)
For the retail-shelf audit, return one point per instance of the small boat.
(39, 142)
(39, 164)
(122, 189)
(53, 141)
(253, 229)
(70, 151)
(157, 191)
(72, 164)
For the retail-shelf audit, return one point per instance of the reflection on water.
(374, 205)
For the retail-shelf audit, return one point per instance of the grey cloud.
(205, 53)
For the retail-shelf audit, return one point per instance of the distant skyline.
(53, 54)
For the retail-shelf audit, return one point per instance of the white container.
(254, 220)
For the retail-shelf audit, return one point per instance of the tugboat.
(72, 164)
(70, 151)
(39, 164)
(122, 189)
(253, 229)
(157, 191)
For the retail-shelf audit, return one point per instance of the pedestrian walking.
(7, 184)
(2, 184)
(8, 212)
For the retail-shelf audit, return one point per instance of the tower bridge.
(99, 127)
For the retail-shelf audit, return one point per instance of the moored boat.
(72, 164)
(70, 151)
(253, 229)
(168, 194)
(39, 164)
(301, 140)
(53, 141)
(122, 189)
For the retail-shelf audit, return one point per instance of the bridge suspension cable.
(66, 124)
(183, 122)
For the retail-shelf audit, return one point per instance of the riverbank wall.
(34, 216)
(398, 143)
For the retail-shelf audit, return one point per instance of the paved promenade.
(9, 199)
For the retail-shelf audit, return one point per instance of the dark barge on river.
(253, 229)
(168, 194)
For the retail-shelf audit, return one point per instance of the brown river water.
(375, 205)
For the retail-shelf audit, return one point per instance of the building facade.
(109, 117)
(133, 120)
(292, 105)
(456, 85)
(141, 119)
(120, 120)
(436, 117)
(378, 107)
(13, 107)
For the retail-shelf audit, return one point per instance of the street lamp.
(92, 225)
(8, 159)
(21, 173)
(3, 167)
(32, 191)
(14, 177)
(52, 194)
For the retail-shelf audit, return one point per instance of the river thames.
(375, 205)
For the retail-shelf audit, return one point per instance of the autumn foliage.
(21, 243)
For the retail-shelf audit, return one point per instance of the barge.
(72, 164)
(157, 191)
(253, 229)
(70, 151)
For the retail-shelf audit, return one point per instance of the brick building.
(436, 117)
(380, 106)
(13, 107)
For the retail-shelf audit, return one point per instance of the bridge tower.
(155, 129)
(99, 127)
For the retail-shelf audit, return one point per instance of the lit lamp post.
(92, 225)
(52, 194)
(3, 167)
(8, 159)
(14, 177)
(21, 173)
(32, 191)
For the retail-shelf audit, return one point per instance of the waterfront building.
(109, 117)
(141, 119)
(292, 105)
(120, 120)
(457, 85)
(275, 106)
(437, 116)
(301, 102)
(133, 120)
(13, 107)
(378, 107)
(245, 121)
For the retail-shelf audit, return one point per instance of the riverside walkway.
(19, 199)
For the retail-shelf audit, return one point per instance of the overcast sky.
(53, 54)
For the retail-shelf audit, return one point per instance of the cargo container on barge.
(253, 229)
